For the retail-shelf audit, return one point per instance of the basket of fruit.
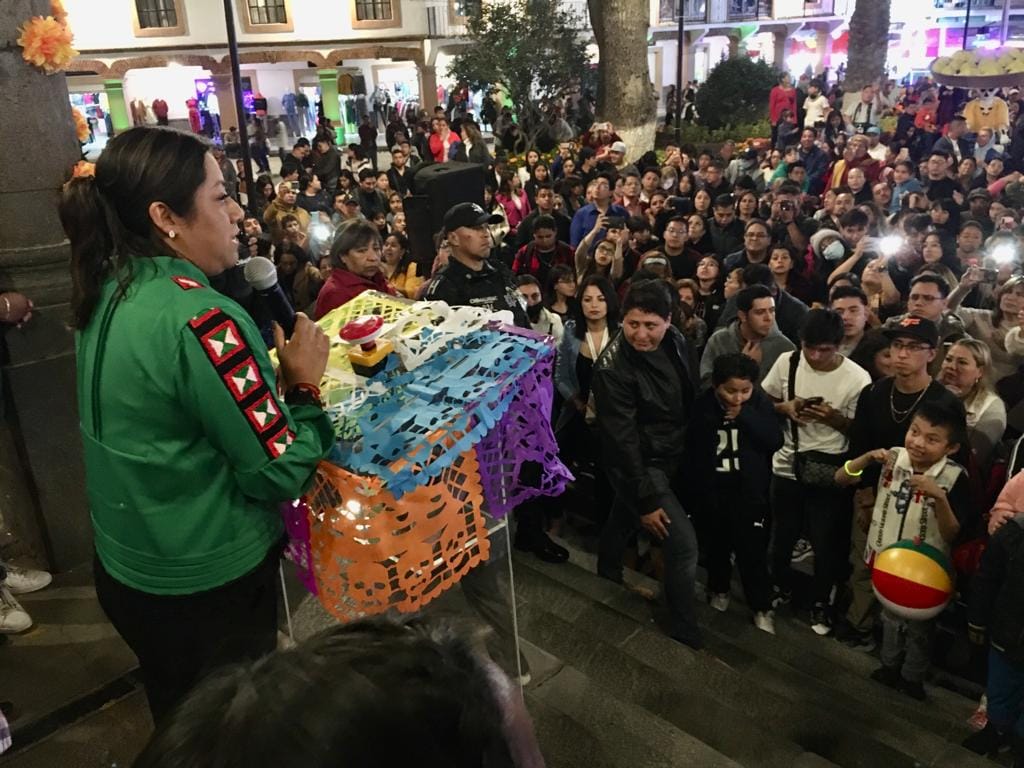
(991, 68)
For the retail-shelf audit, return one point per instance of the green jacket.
(188, 449)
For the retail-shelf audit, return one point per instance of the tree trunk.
(869, 45)
(625, 96)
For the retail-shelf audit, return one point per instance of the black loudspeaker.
(437, 187)
(420, 231)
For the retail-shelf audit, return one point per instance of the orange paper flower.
(83, 168)
(81, 125)
(47, 44)
(58, 12)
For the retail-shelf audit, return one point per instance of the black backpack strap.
(794, 361)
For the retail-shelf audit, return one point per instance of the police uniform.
(492, 287)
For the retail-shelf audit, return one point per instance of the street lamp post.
(967, 24)
(236, 85)
(680, 37)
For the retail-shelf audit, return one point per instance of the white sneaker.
(13, 618)
(21, 581)
(765, 621)
(720, 601)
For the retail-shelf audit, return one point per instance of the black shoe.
(781, 598)
(821, 622)
(888, 676)
(987, 741)
(913, 690)
(856, 639)
(550, 552)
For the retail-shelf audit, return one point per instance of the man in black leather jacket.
(644, 390)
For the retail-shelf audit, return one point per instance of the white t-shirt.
(840, 389)
(815, 110)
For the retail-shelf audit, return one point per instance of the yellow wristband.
(846, 469)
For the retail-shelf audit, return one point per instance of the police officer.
(472, 279)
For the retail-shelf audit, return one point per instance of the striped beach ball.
(913, 580)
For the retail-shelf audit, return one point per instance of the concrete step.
(580, 724)
(739, 689)
(802, 651)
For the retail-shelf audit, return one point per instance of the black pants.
(741, 527)
(180, 638)
(825, 513)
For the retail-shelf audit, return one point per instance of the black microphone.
(261, 274)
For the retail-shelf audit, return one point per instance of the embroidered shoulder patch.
(186, 283)
(224, 346)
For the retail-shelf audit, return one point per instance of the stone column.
(329, 96)
(824, 49)
(428, 86)
(38, 149)
(225, 100)
(780, 50)
(119, 116)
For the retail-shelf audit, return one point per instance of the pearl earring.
(170, 234)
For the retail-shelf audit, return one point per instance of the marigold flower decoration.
(81, 125)
(47, 44)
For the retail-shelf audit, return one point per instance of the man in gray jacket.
(753, 333)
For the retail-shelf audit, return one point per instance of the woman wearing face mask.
(965, 373)
(999, 329)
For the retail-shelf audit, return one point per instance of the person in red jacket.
(782, 96)
(442, 140)
(355, 262)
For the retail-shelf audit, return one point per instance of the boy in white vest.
(923, 495)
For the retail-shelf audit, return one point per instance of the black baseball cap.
(915, 327)
(468, 215)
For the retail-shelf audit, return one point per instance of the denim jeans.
(906, 644)
(1005, 689)
(679, 549)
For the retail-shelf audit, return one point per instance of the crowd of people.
(805, 347)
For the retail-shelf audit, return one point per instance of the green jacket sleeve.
(228, 383)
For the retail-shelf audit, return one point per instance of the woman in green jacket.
(189, 448)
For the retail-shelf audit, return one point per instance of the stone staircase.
(615, 691)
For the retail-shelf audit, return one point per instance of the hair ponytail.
(84, 220)
(106, 217)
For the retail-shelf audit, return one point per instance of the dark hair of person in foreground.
(371, 693)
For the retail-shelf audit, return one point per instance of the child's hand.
(927, 486)
(878, 456)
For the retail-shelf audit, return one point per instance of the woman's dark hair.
(557, 273)
(358, 233)
(403, 241)
(611, 300)
(339, 696)
(106, 217)
(261, 183)
(653, 296)
(734, 365)
(874, 341)
(821, 326)
(505, 184)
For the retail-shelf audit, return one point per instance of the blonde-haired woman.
(965, 373)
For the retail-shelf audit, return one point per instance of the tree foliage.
(532, 50)
(736, 91)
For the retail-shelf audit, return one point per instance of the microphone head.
(260, 273)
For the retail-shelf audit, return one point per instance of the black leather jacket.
(642, 415)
